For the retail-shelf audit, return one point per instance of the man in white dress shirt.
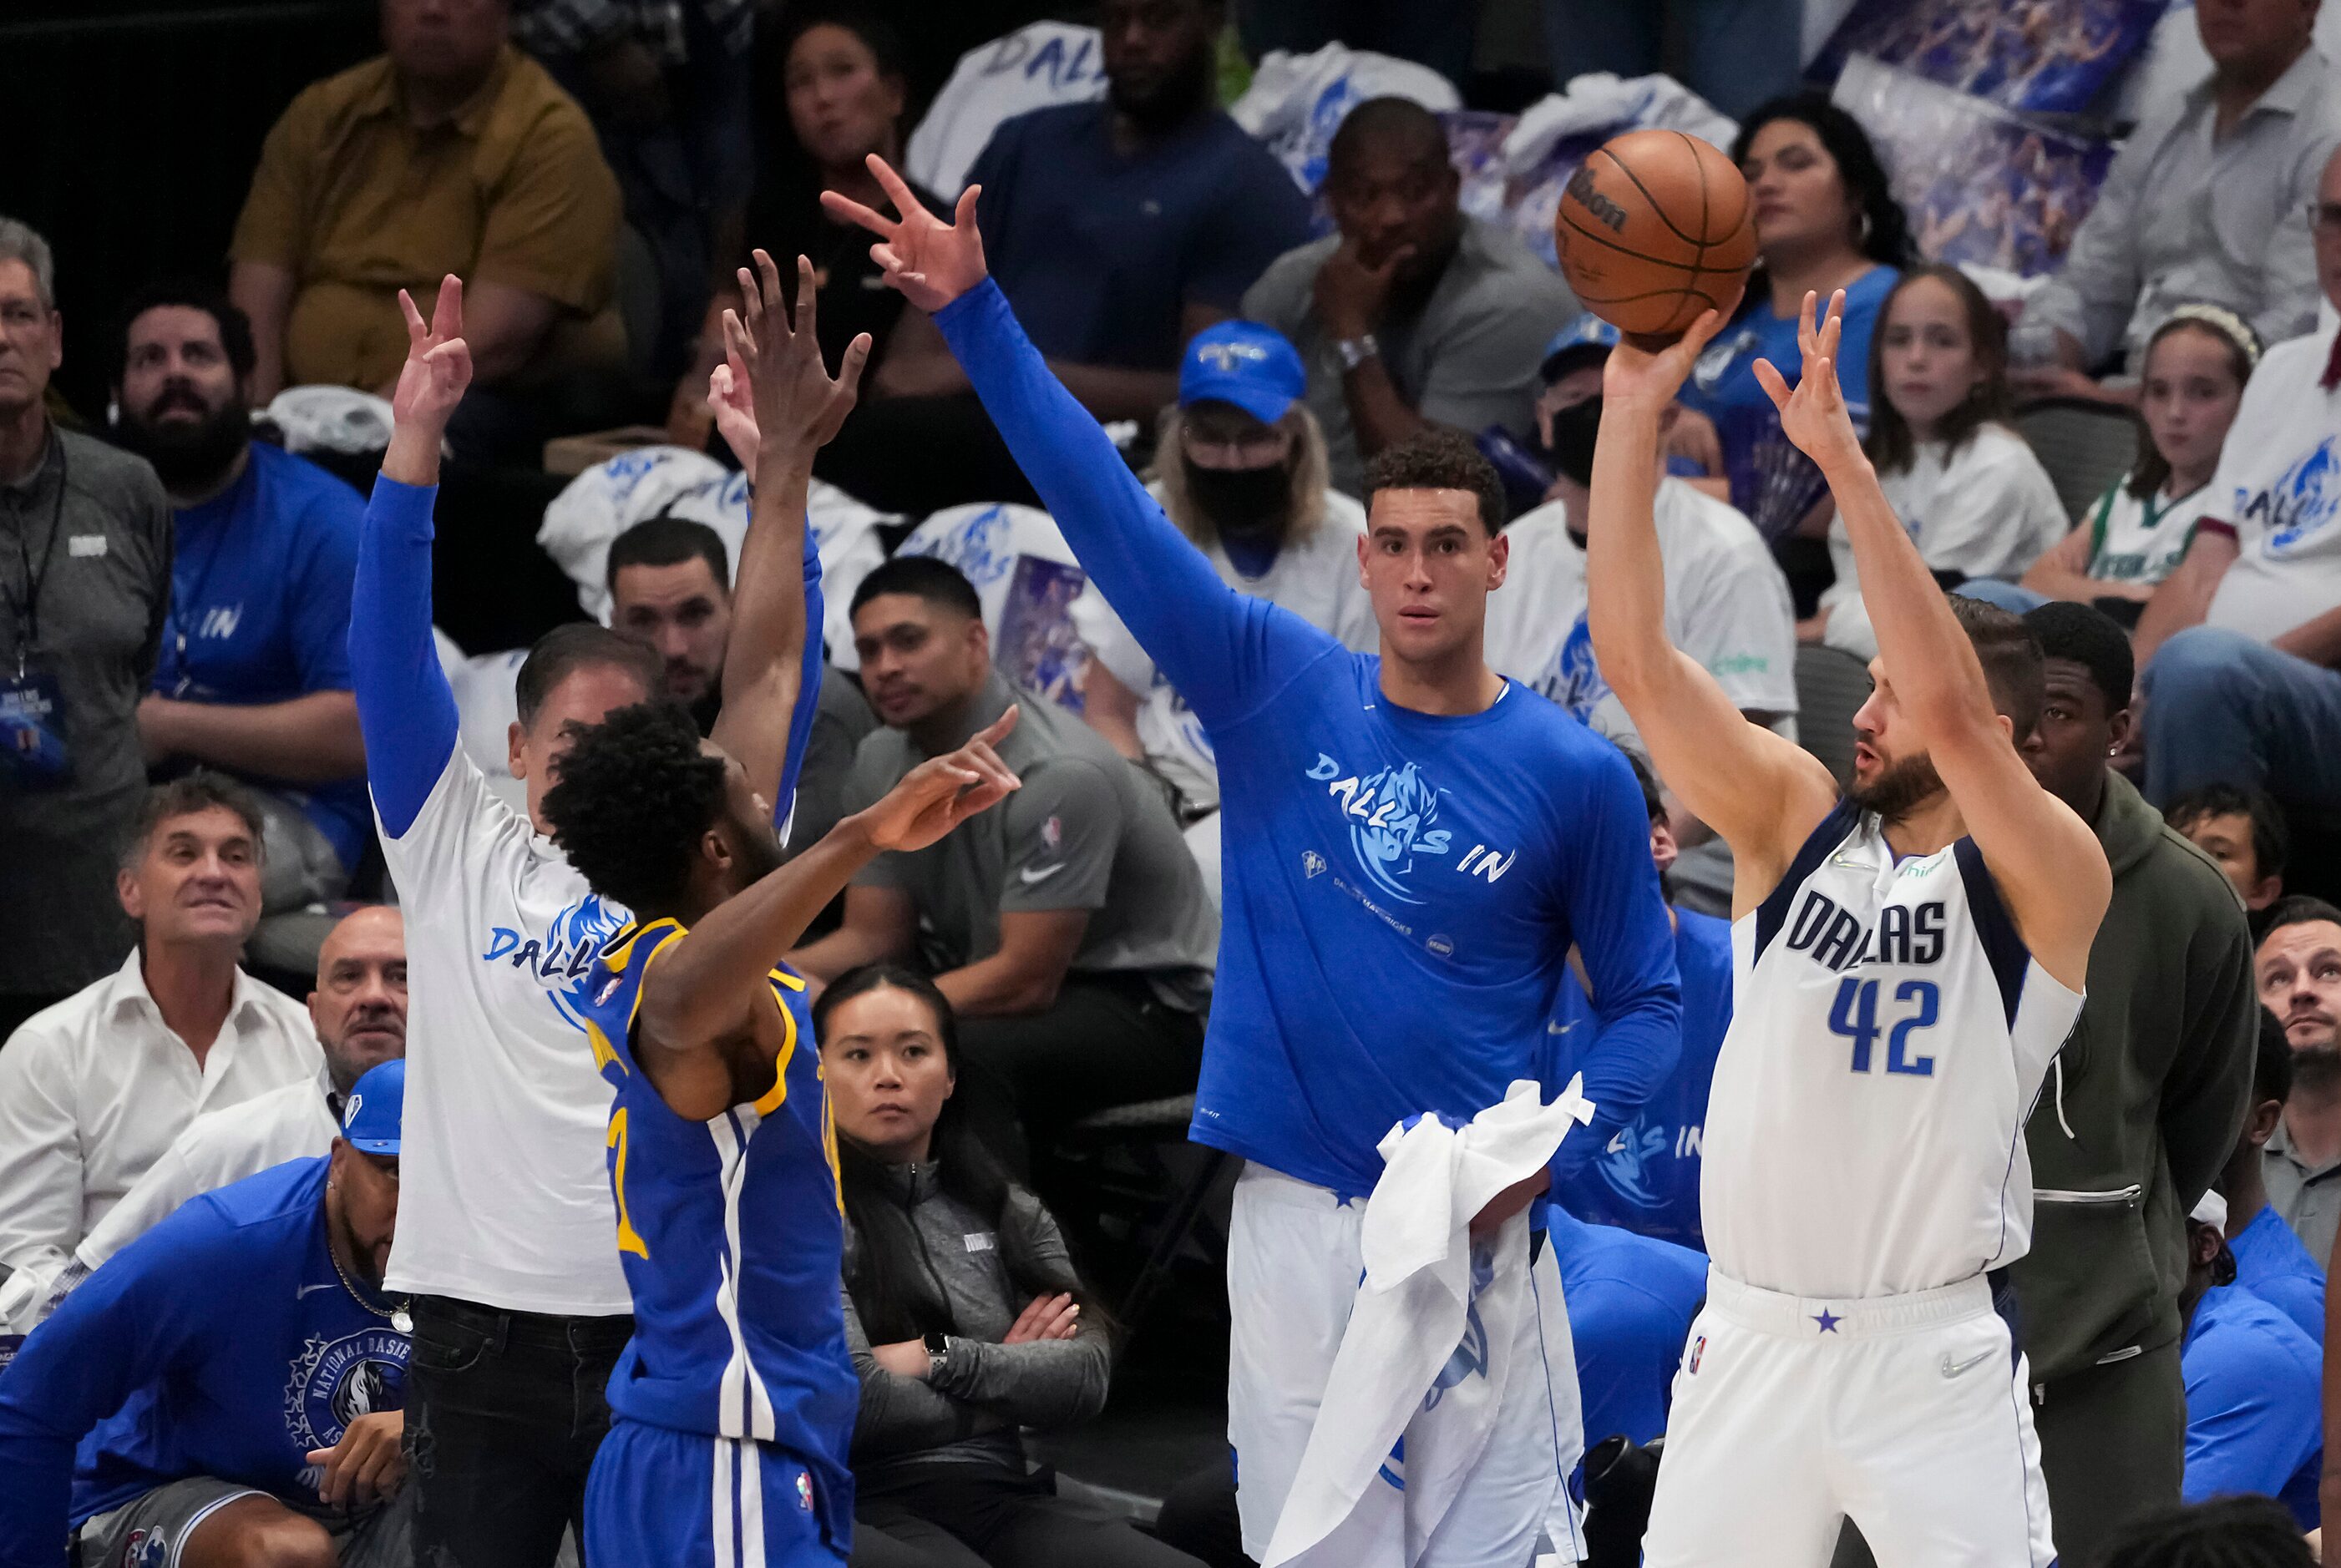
(359, 1008)
(93, 1089)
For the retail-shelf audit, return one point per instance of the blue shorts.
(686, 1500)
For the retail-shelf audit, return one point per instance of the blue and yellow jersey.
(730, 1231)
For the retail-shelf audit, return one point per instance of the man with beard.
(1241, 469)
(253, 674)
(1413, 314)
(2299, 970)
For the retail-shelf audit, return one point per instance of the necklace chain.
(396, 1313)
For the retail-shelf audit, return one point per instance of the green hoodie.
(2142, 1106)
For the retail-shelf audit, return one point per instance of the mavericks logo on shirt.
(1391, 815)
(336, 1381)
(2302, 501)
(562, 961)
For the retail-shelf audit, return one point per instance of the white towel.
(1428, 1351)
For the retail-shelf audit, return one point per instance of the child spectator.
(2195, 366)
(2244, 830)
(1975, 499)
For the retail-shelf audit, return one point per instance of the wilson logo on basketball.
(1581, 190)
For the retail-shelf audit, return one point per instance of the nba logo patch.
(1052, 833)
(805, 1491)
(608, 988)
(1698, 1349)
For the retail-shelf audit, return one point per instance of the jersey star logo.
(1828, 1320)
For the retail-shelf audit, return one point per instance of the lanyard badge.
(33, 752)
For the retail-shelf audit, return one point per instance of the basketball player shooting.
(1908, 960)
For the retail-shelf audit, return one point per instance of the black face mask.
(1574, 431)
(1248, 503)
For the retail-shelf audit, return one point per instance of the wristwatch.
(1357, 350)
(937, 1351)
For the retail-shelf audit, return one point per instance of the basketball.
(1655, 227)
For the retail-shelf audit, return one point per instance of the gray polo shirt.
(1467, 359)
(2309, 1200)
(104, 585)
(1085, 832)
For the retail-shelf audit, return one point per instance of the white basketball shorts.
(1906, 1414)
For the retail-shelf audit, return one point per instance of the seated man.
(1241, 469)
(168, 1371)
(1070, 927)
(2253, 1419)
(1413, 314)
(2244, 831)
(1119, 229)
(2241, 644)
(359, 1008)
(2270, 1262)
(450, 152)
(253, 675)
(2298, 967)
(2206, 201)
(93, 1089)
(1727, 606)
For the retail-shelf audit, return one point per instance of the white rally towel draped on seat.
(1425, 1305)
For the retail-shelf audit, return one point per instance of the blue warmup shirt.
(2255, 1422)
(222, 1342)
(406, 710)
(1102, 249)
(1646, 1177)
(731, 1233)
(1400, 890)
(2272, 1265)
(1631, 1300)
(260, 609)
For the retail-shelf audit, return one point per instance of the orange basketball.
(1655, 227)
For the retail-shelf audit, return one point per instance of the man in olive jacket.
(2139, 1115)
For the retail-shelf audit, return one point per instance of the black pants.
(504, 1411)
(2113, 1449)
(976, 1516)
(1106, 1040)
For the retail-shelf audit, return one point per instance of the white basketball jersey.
(1865, 1135)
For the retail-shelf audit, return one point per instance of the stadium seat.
(2085, 445)
(1124, 1157)
(1831, 687)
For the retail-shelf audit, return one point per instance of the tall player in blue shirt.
(1411, 845)
(734, 1400)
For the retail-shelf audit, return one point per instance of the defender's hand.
(945, 791)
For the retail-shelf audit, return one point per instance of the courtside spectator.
(83, 596)
(2254, 1423)
(2145, 1098)
(669, 583)
(254, 673)
(2244, 832)
(2270, 1262)
(93, 1089)
(2239, 644)
(1825, 219)
(451, 152)
(1965, 484)
(1411, 314)
(1119, 229)
(2207, 202)
(168, 1372)
(2137, 533)
(1069, 928)
(960, 1346)
(2299, 970)
(1727, 606)
(359, 1008)
(1242, 468)
(2232, 1532)
(1631, 1302)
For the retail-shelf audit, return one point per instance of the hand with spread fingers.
(932, 262)
(1636, 372)
(1814, 416)
(796, 403)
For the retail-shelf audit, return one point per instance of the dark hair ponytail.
(893, 1291)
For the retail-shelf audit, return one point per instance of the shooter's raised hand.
(1638, 372)
(1814, 416)
(932, 262)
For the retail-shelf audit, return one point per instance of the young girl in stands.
(964, 1313)
(2195, 366)
(1966, 485)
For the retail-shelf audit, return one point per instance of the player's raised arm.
(2048, 864)
(1764, 794)
(772, 664)
(405, 710)
(1206, 638)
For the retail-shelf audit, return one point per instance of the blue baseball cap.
(1587, 340)
(370, 1120)
(1254, 367)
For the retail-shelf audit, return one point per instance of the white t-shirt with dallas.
(1987, 510)
(2279, 485)
(1727, 606)
(1316, 579)
(504, 1189)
